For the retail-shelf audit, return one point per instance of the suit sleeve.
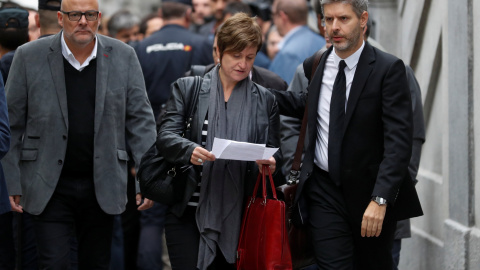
(397, 130)
(16, 93)
(140, 123)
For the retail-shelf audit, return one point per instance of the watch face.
(380, 200)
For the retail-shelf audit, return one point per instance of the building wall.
(437, 38)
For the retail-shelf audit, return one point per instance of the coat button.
(64, 137)
(60, 162)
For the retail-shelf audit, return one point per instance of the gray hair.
(359, 6)
(122, 19)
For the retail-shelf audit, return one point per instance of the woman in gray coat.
(202, 231)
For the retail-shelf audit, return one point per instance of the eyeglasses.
(75, 16)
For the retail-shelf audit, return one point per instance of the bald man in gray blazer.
(74, 100)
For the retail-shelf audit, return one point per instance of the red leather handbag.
(263, 243)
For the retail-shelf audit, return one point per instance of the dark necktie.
(337, 119)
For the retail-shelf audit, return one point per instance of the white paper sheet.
(227, 149)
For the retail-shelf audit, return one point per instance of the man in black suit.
(354, 182)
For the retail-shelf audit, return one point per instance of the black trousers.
(183, 238)
(336, 235)
(74, 210)
(7, 250)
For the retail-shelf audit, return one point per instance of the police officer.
(168, 53)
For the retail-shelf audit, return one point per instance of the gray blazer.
(37, 106)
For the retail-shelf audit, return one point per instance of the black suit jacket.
(377, 138)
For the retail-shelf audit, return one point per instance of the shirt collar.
(287, 36)
(352, 60)
(71, 58)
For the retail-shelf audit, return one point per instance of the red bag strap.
(261, 177)
(274, 192)
(255, 190)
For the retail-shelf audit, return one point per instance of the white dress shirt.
(323, 112)
(71, 58)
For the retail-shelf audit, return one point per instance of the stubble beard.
(350, 41)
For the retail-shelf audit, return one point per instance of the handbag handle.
(261, 177)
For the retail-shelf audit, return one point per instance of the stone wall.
(437, 38)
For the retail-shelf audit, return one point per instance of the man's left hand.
(147, 203)
(373, 220)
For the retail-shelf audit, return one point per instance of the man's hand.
(373, 220)
(146, 202)
(15, 203)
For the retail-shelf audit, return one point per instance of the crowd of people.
(87, 95)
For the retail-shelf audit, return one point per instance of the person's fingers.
(379, 229)
(363, 231)
(146, 204)
(15, 204)
(138, 198)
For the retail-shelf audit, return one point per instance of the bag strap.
(261, 177)
(294, 176)
(193, 104)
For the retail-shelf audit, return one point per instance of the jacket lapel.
(55, 61)
(314, 95)
(103, 64)
(362, 73)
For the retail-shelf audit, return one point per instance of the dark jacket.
(377, 137)
(265, 128)
(165, 56)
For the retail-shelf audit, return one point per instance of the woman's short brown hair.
(237, 33)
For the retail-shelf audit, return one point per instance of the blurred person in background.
(31, 6)
(272, 39)
(217, 7)
(202, 13)
(299, 42)
(148, 25)
(123, 25)
(47, 17)
(13, 33)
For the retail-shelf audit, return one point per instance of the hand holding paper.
(227, 149)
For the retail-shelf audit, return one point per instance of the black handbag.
(163, 181)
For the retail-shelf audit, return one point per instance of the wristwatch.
(381, 201)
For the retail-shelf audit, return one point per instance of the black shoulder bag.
(160, 180)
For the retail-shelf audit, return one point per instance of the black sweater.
(81, 88)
